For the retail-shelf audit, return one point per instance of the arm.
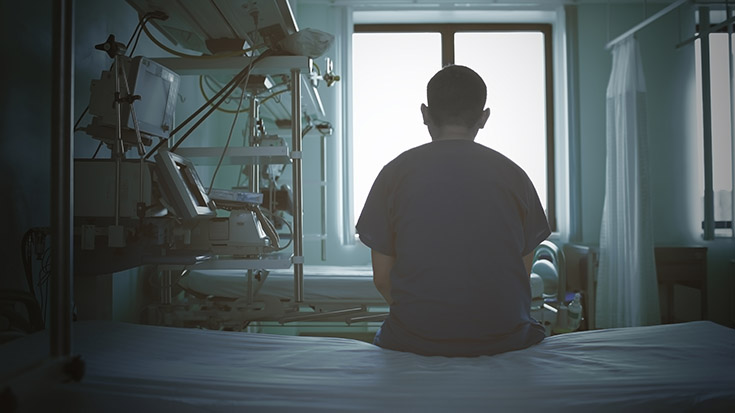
(528, 262)
(382, 265)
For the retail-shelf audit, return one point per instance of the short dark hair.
(456, 96)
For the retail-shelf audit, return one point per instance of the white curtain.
(627, 289)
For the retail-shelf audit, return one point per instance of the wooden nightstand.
(681, 266)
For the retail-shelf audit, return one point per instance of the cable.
(155, 148)
(33, 240)
(203, 79)
(143, 20)
(44, 274)
(26, 246)
(192, 116)
(207, 103)
(201, 89)
(217, 86)
(137, 37)
(271, 96)
(229, 136)
(228, 88)
(234, 80)
(206, 115)
(234, 83)
(273, 216)
(80, 118)
(94, 155)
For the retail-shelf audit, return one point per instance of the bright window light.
(512, 65)
(722, 151)
(390, 73)
(389, 76)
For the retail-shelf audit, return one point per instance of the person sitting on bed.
(450, 224)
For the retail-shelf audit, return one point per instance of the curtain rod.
(712, 29)
(646, 22)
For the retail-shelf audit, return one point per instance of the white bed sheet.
(322, 283)
(681, 367)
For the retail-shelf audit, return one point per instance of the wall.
(669, 80)
(24, 129)
(670, 105)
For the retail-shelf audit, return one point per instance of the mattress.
(677, 367)
(322, 283)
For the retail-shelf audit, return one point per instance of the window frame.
(709, 225)
(447, 31)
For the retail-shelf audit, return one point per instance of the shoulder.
(494, 160)
(407, 157)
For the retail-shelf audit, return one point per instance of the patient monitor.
(151, 91)
(163, 213)
(245, 232)
(182, 187)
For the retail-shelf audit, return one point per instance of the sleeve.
(535, 225)
(374, 226)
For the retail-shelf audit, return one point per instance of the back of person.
(459, 284)
(456, 219)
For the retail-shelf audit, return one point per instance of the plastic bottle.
(574, 313)
(562, 320)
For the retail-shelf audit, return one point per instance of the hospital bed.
(233, 299)
(323, 284)
(676, 367)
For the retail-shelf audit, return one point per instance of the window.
(392, 65)
(719, 128)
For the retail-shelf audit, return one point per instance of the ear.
(425, 114)
(483, 119)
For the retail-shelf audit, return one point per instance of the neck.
(452, 132)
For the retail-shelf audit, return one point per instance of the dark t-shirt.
(458, 217)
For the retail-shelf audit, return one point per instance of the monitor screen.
(182, 187)
(156, 88)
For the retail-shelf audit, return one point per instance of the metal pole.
(253, 133)
(575, 158)
(118, 147)
(731, 72)
(166, 287)
(709, 206)
(251, 294)
(323, 186)
(298, 213)
(136, 125)
(62, 173)
(139, 140)
(644, 23)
